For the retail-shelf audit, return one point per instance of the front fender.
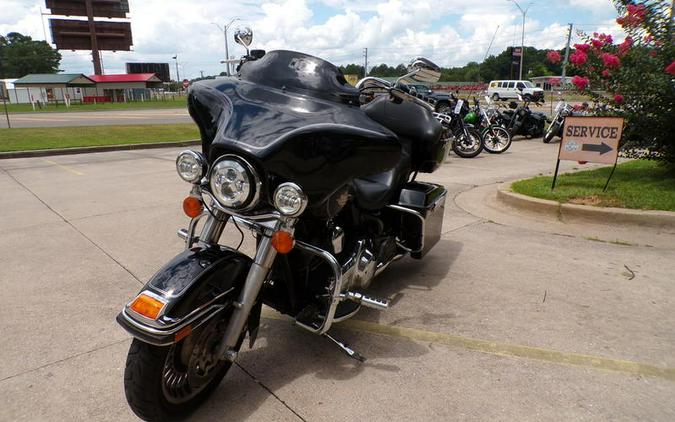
(195, 286)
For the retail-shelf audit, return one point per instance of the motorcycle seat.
(375, 191)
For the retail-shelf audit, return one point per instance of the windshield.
(528, 84)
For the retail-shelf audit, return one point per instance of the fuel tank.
(296, 118)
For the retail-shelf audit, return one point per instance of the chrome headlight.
(191, 166)
(234, 182)
(289, 199)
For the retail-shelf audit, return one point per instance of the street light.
(522, 41)
(177, 74)
(224, 29)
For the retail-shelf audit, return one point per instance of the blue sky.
(450, 33)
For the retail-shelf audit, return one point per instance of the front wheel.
(496, 139)
(468, 147)
(551, 132)
(169, 382)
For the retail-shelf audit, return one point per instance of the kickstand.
(351, 353)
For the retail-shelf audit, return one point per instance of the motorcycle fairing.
(293, 116)
(196, 284)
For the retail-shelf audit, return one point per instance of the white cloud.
(448, 32)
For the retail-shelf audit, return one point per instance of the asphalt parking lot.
(508, 318)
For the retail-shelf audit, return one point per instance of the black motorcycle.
(520, 120)
(326, 186)
(465, 139)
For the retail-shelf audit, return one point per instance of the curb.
(89, 150)
(602, 215)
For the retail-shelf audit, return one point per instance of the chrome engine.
(360, 269)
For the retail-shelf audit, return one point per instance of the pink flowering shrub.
(553, 57)
(635, 77)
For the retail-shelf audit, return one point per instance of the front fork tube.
(264, 257)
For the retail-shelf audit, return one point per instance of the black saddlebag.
(421, 207)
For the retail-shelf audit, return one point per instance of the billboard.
(100, 8)
(160, 69)
(75, 35)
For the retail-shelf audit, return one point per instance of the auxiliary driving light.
(191, 166)
(289, 199)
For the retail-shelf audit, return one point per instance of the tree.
(638, 74)
(20, 55)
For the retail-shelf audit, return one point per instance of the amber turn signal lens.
(147, 306)
(283, 242)
(193, 207)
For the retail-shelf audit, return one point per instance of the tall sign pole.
(94, 42)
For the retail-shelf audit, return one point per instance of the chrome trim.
(265, 216)
(257, 274)
(190, 233)
(337, 239)
(302, 194)
(416, 214)
(153, 295)
(336, 287)
(199, 157)
(174, 327)
(257, 185)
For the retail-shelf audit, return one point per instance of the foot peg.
(351, 353)
(368, 301)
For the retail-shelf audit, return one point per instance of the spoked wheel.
(468, 147)
(496, 139)
(551, 132)
(167, 383)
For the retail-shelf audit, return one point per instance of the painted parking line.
(62, 167)
(503, 349)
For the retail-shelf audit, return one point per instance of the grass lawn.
(638, 184)
(82, 136)
(180, 102)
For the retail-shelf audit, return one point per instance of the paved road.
(506, 319)
(97, 118)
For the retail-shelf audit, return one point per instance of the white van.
(506, 90)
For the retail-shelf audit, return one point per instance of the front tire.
(166, 383)
(551, 132)
(468, 148)
(496, 139)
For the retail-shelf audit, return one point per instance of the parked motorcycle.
(327, 188)
(562, 110)
(496, 139)
(520, 120)
(465, 139)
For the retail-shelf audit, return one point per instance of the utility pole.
(365, 64)
(567, 55)
(522, 40)
(177, 74)
(227, 48)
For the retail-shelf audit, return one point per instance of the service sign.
(591, 139)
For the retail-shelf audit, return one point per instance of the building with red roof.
(121, 87)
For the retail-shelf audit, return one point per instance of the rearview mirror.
(424, 70)
(243, 36)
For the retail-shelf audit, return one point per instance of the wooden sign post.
(592, 140)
